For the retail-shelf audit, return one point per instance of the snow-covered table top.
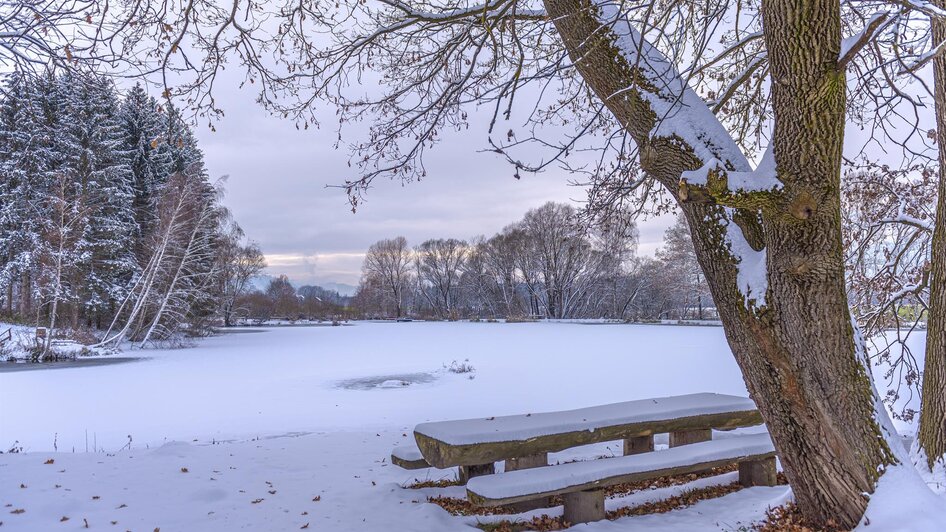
(525, 426)
(460, 442)
(527, 484)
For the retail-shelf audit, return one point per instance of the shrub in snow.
(460, 367)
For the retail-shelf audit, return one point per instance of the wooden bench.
(582, 483)
(524, 441)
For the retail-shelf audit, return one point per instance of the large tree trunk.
(795, 342)
(822, 386)
(932, 433)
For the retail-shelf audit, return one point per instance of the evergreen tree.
(95, 166)
(149, 157)
(25, 158)
(84, 180)
(182, 145)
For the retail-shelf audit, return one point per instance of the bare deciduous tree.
(683, 272)
(563, 256)
(283, 298)
(932, 432)
(389, 262)
(238, 263)
(439, 265)
(500, 264)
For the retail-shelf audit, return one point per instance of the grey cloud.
(277, 190)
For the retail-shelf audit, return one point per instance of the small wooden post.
(686, 437)
(638, 445)
(469, 471)
(584, 506)
(528, 462)
(757, 472)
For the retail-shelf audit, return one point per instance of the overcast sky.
(278, 179)
(277, 192)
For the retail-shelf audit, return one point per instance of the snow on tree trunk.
(773, 260)
(190, 254)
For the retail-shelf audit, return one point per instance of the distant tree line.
(281, 300)
(108, 220)
(549, 264)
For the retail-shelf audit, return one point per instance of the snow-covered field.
(245, 430)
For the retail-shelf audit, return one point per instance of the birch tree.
(59, 255)
(178, 276)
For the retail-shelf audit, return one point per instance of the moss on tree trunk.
(932, 433)
(797, 354)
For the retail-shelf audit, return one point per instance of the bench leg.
(757, 472)
(528, 462)
(584, 506)
(641, 444)
(686, 437)
(469, 471)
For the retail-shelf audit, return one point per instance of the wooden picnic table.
(524, 441)
(478, 443)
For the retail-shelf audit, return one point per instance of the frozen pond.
(322, 379)
(304, 379)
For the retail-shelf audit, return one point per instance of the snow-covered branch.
(850, 46)
(713, 183)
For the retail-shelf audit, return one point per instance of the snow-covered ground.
(245, 430)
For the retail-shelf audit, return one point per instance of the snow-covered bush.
(460, 367)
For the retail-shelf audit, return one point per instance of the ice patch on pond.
(386, 381)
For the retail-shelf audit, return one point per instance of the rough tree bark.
(798, 350)
(932, 432)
